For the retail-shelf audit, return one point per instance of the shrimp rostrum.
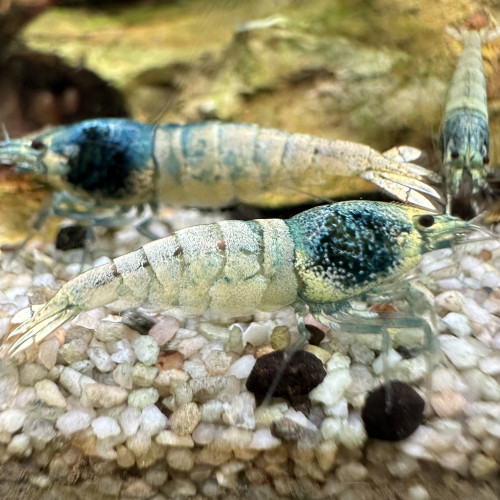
(316, 261)
(465, 140)
(98, 169)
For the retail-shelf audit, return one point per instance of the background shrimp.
(465, 140)
(100, 168)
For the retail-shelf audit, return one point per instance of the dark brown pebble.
(316, 335)
(71, 237)
(303, 372)
(397, 421)
(137, 321)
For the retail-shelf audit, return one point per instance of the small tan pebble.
(169, 360)
(124, 457)
(39, 480)
(169, 438)
(280, 338)
(164, 330)
(137, 488)
(448, 404)
(109, 486)
(217, 362)
(180, 458)
(164, 380)
(143, 375)
(60, 335)
(85, 440)
(48, 391)
(485, 255)
(326, 454)
(214, 454)
(482, 466)
(104, 396)
(323, 355)
(261, 351)
(156, 477)
(47, 353)
(139, 444)
(185, 419)
(350, 472)
(179, 488)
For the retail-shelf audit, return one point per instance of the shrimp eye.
(486, 160)
(37, 144)
(455, 154)
(426, 220)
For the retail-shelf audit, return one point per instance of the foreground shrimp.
(465, 138)
(98, 169)
(315, 261)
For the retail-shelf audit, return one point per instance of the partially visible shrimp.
(98, 169)
(315, 261)
(464, 131)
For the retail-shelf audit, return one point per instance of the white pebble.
(463, 353)
(256, 334)
(73, 421)
(392, 359)
(239, 411)
(105, 427)
(45, 280)
(153, 420)
(142, 398)
(102, 360)
(490, 365)
(130, 419)
(418, 492)
(146, 349)
(333, 387)
(476, 313)
(242, 367)
(123, 375)
(205, 433)
(188, 347)
(262, 439)
(490, 280)
(20, 445)
(122, 352)
(451, 300)
(11, 420)
(458, 324)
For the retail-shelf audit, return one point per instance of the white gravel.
(187, 422)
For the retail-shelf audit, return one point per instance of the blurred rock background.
(371, 71)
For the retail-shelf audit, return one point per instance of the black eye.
(426, 220)
(37, 144)
(486, 159)
(455, 154)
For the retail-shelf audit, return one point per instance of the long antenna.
(5, 135)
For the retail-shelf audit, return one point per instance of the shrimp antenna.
(5, 135)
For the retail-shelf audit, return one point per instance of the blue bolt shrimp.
(99, 169)
(464, 133)
(316, 261)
